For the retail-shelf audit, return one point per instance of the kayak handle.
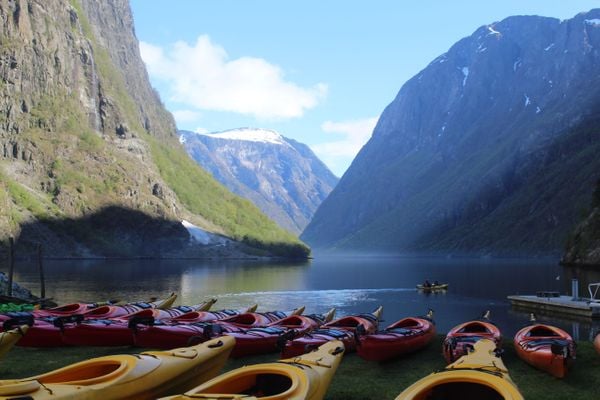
(215, 345)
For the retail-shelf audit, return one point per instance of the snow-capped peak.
(248, 134)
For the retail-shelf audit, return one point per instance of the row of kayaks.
(192, 371)
(472, 350)
(255, 332)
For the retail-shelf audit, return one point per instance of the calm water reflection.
(357, 284)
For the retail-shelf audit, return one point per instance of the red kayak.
(304, 323)
(43, 332)
(171, 334)
(70, 309)
(546, 347)
(84, 308)
(258, 319)
(170, 313)
(273, 337)
(404, 336)
(209, 316)
(341, 329)
(115, 311)
(117, 332)
(461, 338)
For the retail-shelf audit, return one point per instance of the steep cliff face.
(84, 139)
(112, 25)
(455, 161)
(282, 177)
(583, 246)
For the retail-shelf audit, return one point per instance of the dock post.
(11, 264)
(41, 269)
(575, 289)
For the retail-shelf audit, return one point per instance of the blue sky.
(320, 72)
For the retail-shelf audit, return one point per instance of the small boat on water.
(460, 339)
(402, 337)
(142, 376)
(306, 377)
(545, 347)
(10, 337)
(342, 329)
(480, 374)
(433, 287)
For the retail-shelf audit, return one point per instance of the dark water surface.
(351, 284)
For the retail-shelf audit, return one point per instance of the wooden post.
(41, 268)
(11, 264)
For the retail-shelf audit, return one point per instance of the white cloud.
(204, 77)
(182, 116)
(338, 154)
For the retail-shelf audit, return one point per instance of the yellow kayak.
(305, 377)
(128, 376)
(9, 338)
(478, 375)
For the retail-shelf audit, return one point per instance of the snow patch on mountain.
(249, 134)
(199, 235)
(492, 31)
(594, 22)
(465, 71)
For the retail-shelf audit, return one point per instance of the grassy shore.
(357, 379)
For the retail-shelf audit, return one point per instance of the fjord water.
(351, 284)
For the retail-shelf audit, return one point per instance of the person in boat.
(427, 283)
(436, 283)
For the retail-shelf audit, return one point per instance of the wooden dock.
(560, 304)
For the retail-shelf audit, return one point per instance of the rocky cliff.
(583, 246)
(489, 149)
(282, 177)
(89, 157)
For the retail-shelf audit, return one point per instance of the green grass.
(357, 379)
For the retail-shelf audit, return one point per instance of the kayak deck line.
(559, 304)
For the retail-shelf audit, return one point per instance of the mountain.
(90, 162)
(491, 149)
(583, 246)
(279, 175)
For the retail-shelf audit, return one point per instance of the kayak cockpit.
(475, 327)
(274, 383)
(102, 370)
(407, 323)
(89, 373)
(542, 331)
(460, 391)
(260, 385)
